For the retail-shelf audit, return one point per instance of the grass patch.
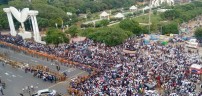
(145, 18)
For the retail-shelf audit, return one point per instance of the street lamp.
(56, 24)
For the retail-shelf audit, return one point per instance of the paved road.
(34, 61)
(17, 79)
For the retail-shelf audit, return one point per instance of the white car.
(45, 92)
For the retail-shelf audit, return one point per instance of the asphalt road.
(18, 79)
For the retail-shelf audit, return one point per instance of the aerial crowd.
(157, 69)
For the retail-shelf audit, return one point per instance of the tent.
(133, 8)
(154, 37)
(164, 43)
(196, 68)
(146, 41)
(129, 52)
(104, 15)
(146, 8)
(119, 15)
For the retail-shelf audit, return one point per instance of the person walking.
(1, 89)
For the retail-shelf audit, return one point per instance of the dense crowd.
(151, 66)
(45, 76)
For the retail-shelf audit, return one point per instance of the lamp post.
(56, 25)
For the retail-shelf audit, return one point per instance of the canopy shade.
(104, 14)
(119, 15)
(133, 8)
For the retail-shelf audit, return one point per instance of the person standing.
(1, 89)
(58, 67)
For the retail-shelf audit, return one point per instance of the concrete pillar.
(37, 29)
(10, 21)
(34, 28)
(23, 26)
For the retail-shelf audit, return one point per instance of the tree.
(3, 19)
(102, 23)
(55, 36)
(19, 4)
(73, 31)
(171, 28)
(42, 22)
(198, 34)
(130, 25)
(110, 36)
(171, 14)
(4, 2)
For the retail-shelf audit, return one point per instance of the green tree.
(73, 31)
(110, 36)
(198, 34)
(3, 18)
(42, 22)
(20, 4)
(171, 14)
(55, 36)
(171, 28)
(102, 23)
(131, 25)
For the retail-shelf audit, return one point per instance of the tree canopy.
(183, 13)
(198, 34)
(73, 31)
(55, 36)
(171, 28)
(132, 26)
(111, 36)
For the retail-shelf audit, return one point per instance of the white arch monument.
(22, 16)
(156, 3)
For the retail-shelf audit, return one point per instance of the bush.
(87, 25)
(102, 23)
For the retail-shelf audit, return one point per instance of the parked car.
(45, 92)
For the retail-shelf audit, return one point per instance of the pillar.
(23, 26)
(34, 28)
(10, 21)
(37, 29)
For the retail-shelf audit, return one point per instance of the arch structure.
(22, 16)
(156, 3)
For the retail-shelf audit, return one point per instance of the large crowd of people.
(151, 66)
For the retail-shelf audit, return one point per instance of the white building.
(104, 15)
(133, 8)
(119, 15)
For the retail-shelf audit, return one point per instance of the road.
(18, 79)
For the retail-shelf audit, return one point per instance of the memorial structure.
(156, 3)
(22, 16)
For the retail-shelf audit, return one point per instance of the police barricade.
(13, 63)
(60, 77)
